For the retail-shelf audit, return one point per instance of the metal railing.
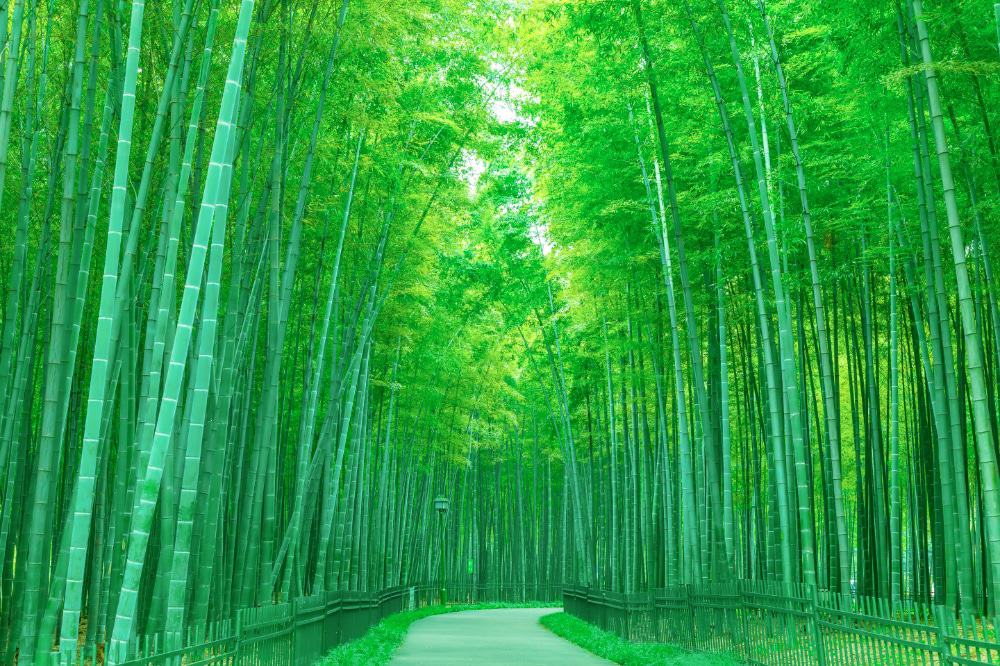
(771, 623)
(300, 632)
(297, 633)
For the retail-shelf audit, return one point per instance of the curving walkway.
(493, 637)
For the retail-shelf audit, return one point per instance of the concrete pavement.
(489, 637)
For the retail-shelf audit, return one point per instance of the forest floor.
(489, 637)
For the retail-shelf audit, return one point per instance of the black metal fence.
(297, 633)
(300, 632)
(774, 624)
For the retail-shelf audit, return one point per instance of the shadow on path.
(495, 637)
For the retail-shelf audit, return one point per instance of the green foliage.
(620, 651)
(276, 274)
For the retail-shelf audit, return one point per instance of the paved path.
(492, 637)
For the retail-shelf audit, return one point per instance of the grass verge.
(375, 648)
(616, 649)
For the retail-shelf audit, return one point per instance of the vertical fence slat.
(288, 634)
(768, 623)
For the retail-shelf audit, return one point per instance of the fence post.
(690, 614)
(814, 623)
(295, 626)
(627, 612)
(743, 611)
(238, 633)
(941, 620)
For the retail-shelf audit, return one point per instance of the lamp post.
(441, 506)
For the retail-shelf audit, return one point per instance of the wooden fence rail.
(772, 624)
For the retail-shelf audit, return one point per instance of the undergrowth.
(620, 651)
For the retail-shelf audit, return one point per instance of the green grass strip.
(620, 651)
(375, 648)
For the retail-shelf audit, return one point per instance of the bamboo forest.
(678, 314)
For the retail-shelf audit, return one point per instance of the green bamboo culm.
(716, 310)
(123, 627)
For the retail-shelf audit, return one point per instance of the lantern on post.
(441, 506)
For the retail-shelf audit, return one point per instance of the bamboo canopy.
(637, 294)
